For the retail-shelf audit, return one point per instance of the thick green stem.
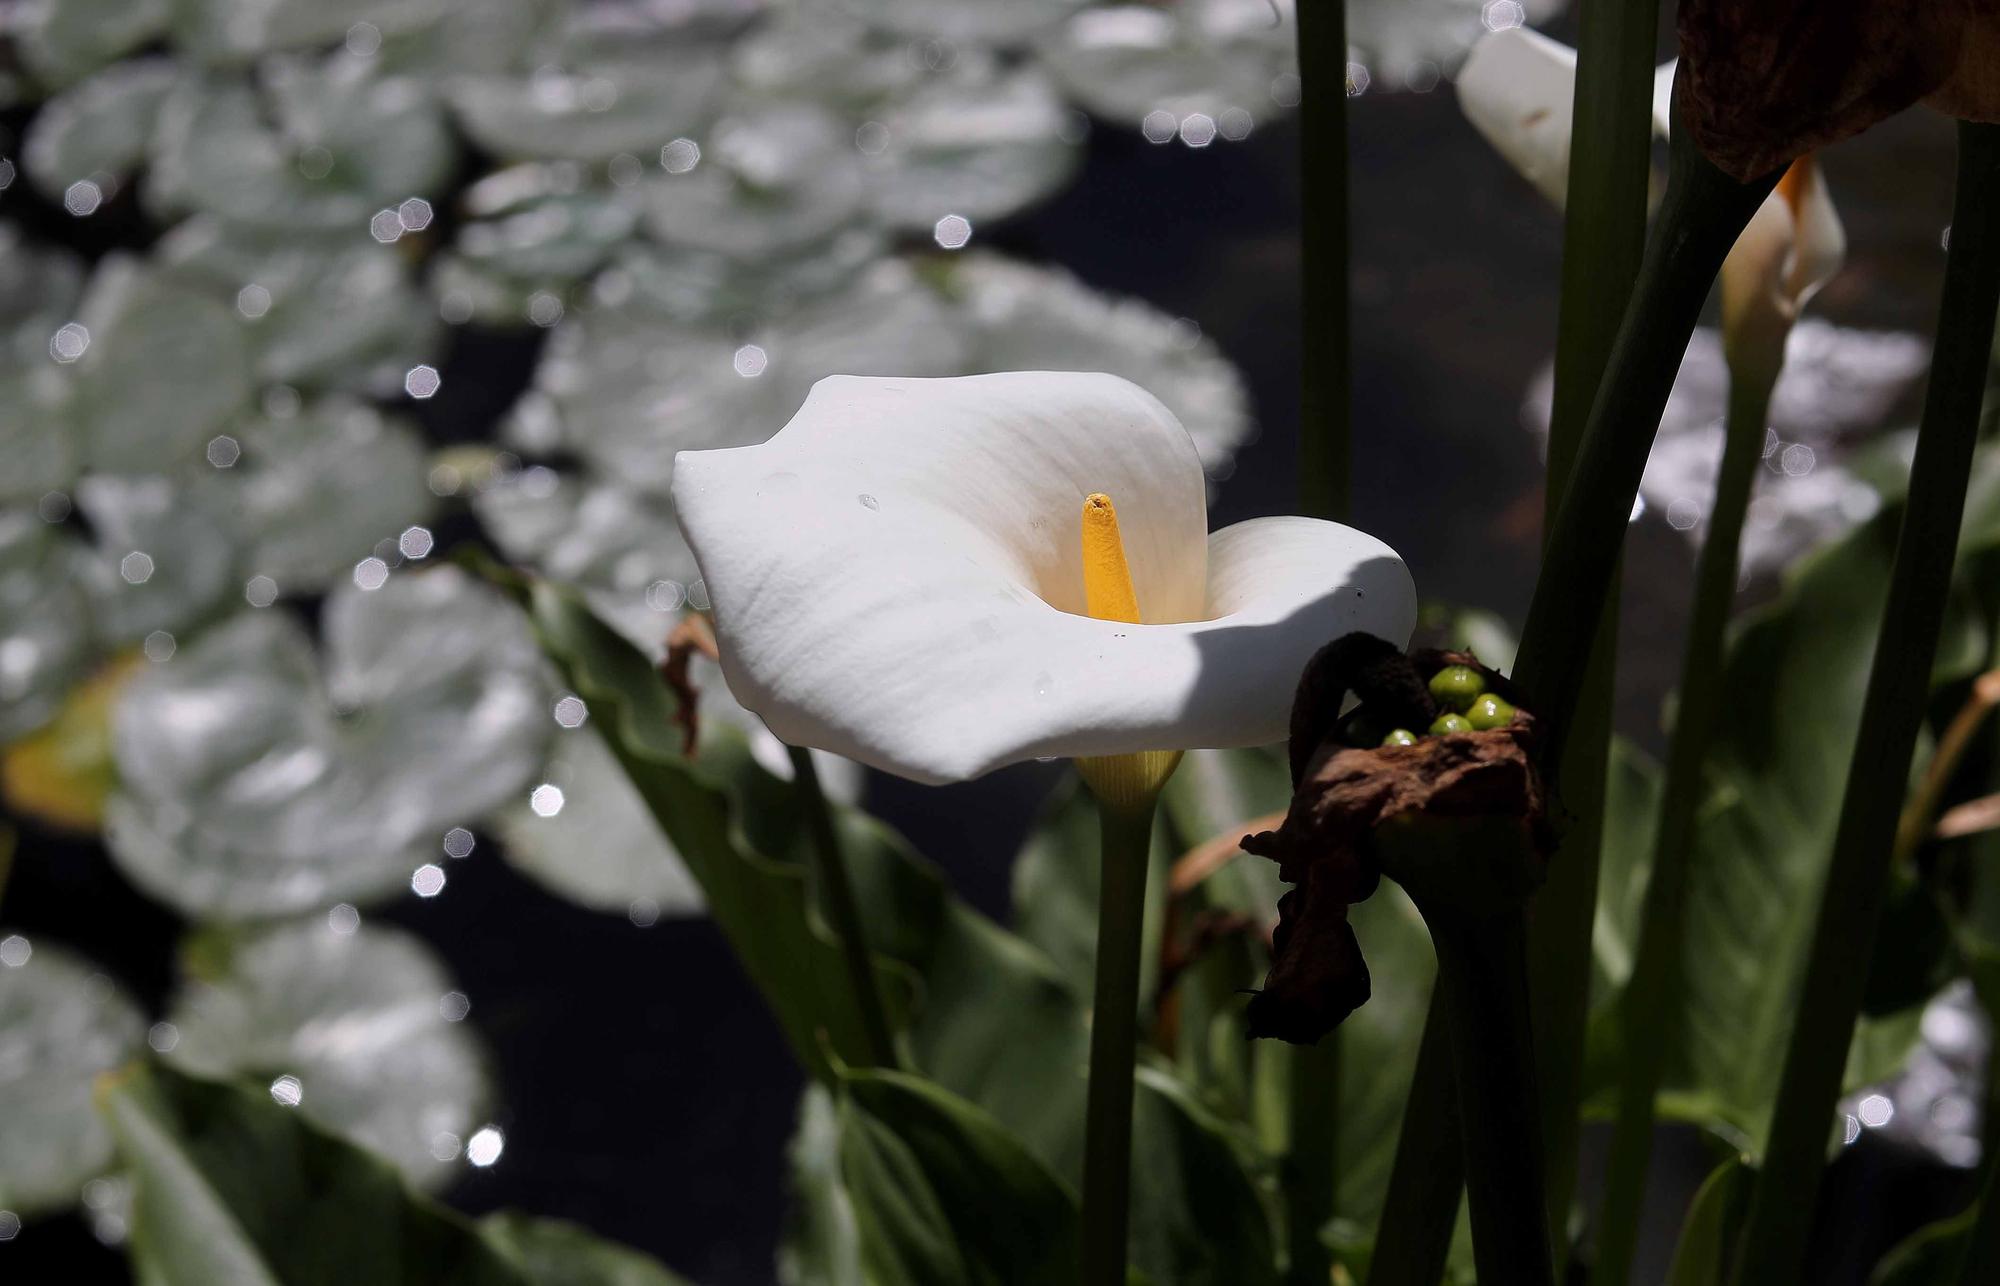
(1311, 1144)
(1559, 929)
(1604, 238)
(1127, 831)
(1325, 458)
(1326, 472)
(1703, 212)
(1779, 1220)
(1483, 969)
(837, 898)
(1420, 1208)
(1651, 999)
(1604, 235)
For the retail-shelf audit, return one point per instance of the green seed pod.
(1400, 737)
(1489, 712)
(1456, 687)
(1449, 723)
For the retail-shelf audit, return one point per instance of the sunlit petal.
(897, 578)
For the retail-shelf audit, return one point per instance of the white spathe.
(1518, 88)
(1792, 246)
(897, 576)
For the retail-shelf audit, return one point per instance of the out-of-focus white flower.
(1518, 89)
(1838, 386)
(898, 576)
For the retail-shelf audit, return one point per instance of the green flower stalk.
(1781, 1204)
(1325, 491)
(1792, 246)
(1325, 454)
(1127, 788)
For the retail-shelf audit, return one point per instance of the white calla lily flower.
(1518, 90)
(899, 576)
(1792, 246)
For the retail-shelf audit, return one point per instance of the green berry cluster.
(1468, 706)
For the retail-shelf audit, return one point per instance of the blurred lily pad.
(696, 287)
(1838, 390)
(775, 179)
(366, 1022)
(1212, 57)
(61, 1023)
(229, 30)
(629, 390)
(616, 78)
(45, 626)
(621, 547)
(64, 40)
(161, 564)
(338, 313)
(480, 37)
(312, 494)
(821, 56)
(260, 780)
(979, 142)
(1020, 317)
(309, 146)
(533, 233)
(962, 22)
(157, 368)
(41, 289)
(97, 131)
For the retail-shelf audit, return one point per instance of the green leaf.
(1930, 1256)
(553, 1252)
(821, 1244)
(226, 1183)
(1796, 672)
(1631, 819)
(1379, 1044)
(1633, 786)
(1219, 791)
(1056, 887)
(1197, 1216)
(1702, 1257)
(986, 1014)
(943, 1195)
(759, 901)
(1216, 793)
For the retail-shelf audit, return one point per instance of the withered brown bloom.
(1457, 819)
(1972, 91)
(1762, 82)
